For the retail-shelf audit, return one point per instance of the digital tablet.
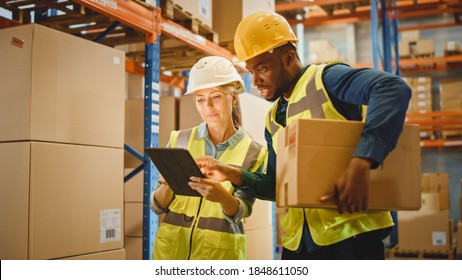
(176, 165)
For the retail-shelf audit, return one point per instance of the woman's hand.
(163, 195)
(215, 192)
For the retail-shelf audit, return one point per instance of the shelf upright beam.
(151, 139)
(151, 128)
(386, 37)
(374, 29)
(394, 28)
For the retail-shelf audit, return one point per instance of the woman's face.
(214, 106)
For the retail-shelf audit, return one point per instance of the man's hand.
(218, 171)
(351, 191)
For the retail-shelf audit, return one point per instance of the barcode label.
(110, 233)
(110, 225)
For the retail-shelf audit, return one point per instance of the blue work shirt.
(387, 97)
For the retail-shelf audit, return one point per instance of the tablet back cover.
(176, 166)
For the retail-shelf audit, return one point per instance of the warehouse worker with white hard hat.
(266, 43)
(210, 227)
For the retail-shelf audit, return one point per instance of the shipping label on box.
(110, 225)
(313, 154)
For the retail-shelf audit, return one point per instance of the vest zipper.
(193, 226)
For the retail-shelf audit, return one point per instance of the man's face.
(269, 75)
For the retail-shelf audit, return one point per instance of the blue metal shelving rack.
(389, 37)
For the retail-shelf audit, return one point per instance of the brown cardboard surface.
(423, 230)
(312, 155)
(60, 88)
(189, 117)
(74, 190)
(228, 14)
(134, 248)
(134, 130)
(261, 217)
(14, 200)
(459, 236)
(134, 188)
(134, 125)
(437, 183)
(201, 10)
(168, 118)
(260, 245)
(118, 254)
(133, 219)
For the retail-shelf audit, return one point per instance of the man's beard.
(284, 82)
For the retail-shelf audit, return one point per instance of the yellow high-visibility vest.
(309, 99)
(195, 228)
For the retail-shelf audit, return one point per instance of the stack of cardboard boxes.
(459, 227)
(421, 100)
(61, 146)
(451, 100)
(322, 51)
(427, 233)
(134, 136)
(411, 45)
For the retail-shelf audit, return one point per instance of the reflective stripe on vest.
(211, 223)
(326, 226)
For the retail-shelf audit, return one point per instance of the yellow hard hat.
(261, 32)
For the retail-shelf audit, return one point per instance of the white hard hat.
(213, 71)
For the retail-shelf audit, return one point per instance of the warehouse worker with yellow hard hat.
(210, 227)
(266, 43)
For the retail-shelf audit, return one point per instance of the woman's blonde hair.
(236, 114)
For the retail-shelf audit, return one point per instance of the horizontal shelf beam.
(440, 143)
(130, 13)
(430, 26)
(176, 31)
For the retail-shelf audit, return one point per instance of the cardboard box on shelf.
(459, 237)
(68, 200)
(134, 248)
(322, 51)
(260, 244)
(134, 188)
(188, 115)
(134, 125)
(424, 230)
(424, 47)
(199, 9)
(410, 35)
(228, 14)
(262, 216)
(60, 88)
(313, 153)
(118, 254)
(133, 215)
(437, 183)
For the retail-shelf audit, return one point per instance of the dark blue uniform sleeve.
(387, 97)
(264, 185)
